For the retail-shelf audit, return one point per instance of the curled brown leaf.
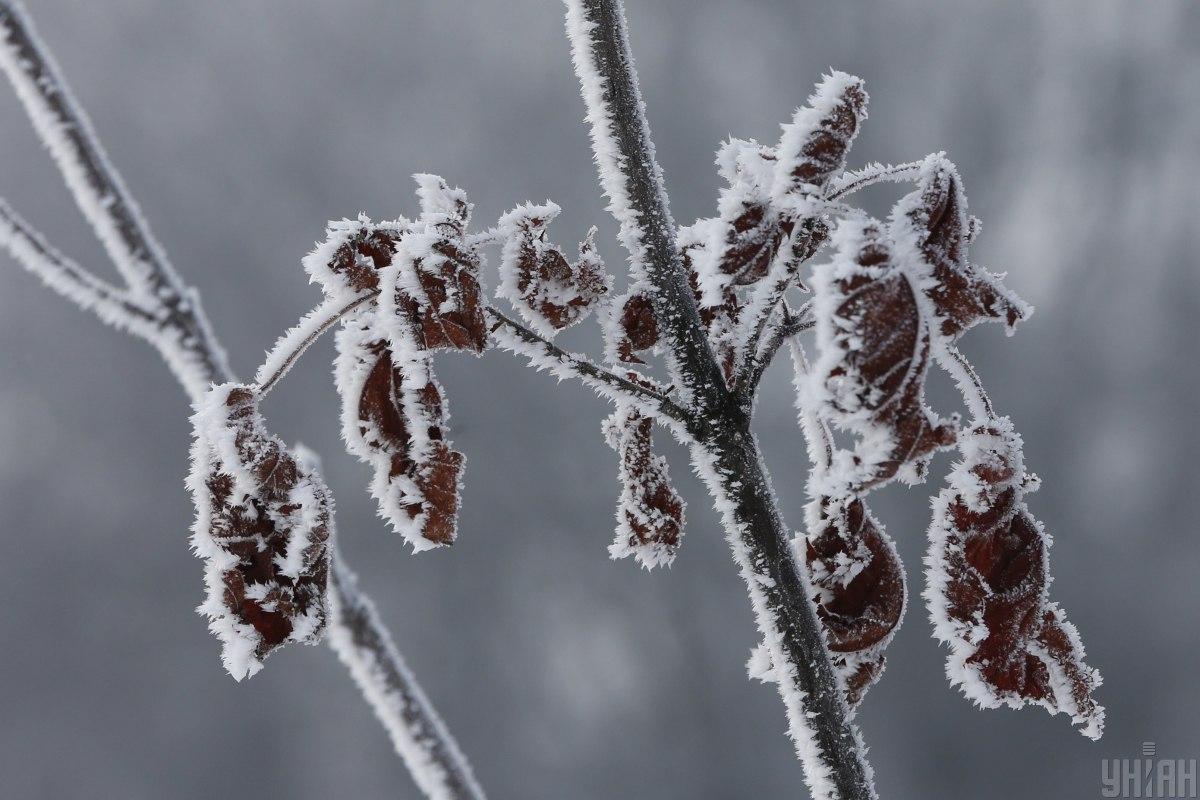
(859, 588)
(932, 223)
(987, 589)
(263, 523)
(874, 348)
(549, 291)
(650, 513)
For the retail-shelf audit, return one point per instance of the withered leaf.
(393, 412)
(445, 306)
(719, 316)
(423, 480)
(549, 292)
(987, 588)
(815, 143)
(393, 418)
(650, 513)
(634, 328)
(932, 221)
(874, 345)
(859, 588)
(263, 523)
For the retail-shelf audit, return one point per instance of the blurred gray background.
(243, 125)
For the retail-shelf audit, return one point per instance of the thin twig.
(760, 311)
(969, 385)
(293, 344)
(363, 644)
(64, 277)
(789, 326)
(512, 335)
(101, 195)
(851, 181)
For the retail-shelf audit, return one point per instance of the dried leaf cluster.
(889, 302)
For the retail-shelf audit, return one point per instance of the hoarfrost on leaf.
(549, 292)
(987, 588)
(263, 523)
(650, 513)
(873, 343)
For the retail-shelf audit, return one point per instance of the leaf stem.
(293, 344)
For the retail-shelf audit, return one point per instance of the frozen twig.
(291, 345)
(851, 181)
(974, 395)
(64, 277)
(362, 642)
(187, 341)
(544, 354)
(790, 325)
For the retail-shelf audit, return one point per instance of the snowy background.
(242, 126)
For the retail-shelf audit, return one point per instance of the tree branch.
(362, 642)
(544, 354)
(631, 178)
(789, 326)
(293, 344)
(161, 309)
(850, 182)
(64, 277)
(975, 397)
(102, 197)
(724, 450)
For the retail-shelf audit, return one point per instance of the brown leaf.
(742, 242)
(649, 511)
(933, 221)
(874, 345)
(815, 143)
(859, 588)
(987, 589)
(263, 522)
(636, 328)
(550, 292)
(720, 318)
(448, 309)
(398, 428)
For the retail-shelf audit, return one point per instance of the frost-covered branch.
(633, 181)
(187, 340)
(850, 182)
(975, 397)
(544, 354)
(724, 450)
(160, 308)
(60, 274)
(293, 344)
(362, 642)
(790, 325)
